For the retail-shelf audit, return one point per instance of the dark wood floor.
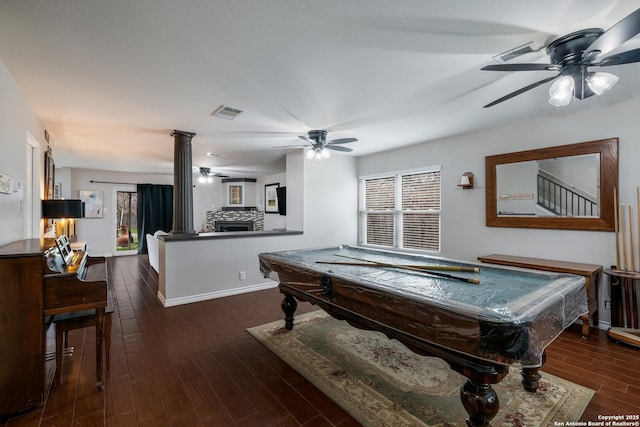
(194, 365)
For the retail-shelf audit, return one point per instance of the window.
(401, 210)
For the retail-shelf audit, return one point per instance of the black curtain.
(155, 211)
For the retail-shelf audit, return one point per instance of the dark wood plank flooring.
(195, 365)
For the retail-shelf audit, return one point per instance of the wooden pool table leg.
(481, 403)
(288, 305)
(531, 376)
(530, 379)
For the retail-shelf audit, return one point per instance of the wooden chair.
(77, 320)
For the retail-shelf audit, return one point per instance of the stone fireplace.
(235, 219)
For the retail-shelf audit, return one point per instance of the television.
(282, 200)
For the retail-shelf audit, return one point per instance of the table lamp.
(64, 211)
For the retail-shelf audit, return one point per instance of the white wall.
(296, 190)
(464, 234)
(331, 201)
(17, 120)
(99, 233)
(206, 197)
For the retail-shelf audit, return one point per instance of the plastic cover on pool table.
(509, 317)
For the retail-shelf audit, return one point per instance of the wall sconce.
(466, 182)
(64, 211)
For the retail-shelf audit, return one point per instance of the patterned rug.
(381, 383)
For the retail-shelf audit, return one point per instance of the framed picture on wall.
(93, 201)
(271, 198)
(236, 195)
(6, 183)
(49, 174)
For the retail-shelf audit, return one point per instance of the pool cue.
(638, 219)
(615, 221)
(421, 267)
(628, 288)
(634, 298)
(624, 238)
(433, 273)
(631, 251)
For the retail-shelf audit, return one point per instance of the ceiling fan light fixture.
(561, 91)
(601, 82)
(571, 55)
(310, 154)
(317, 154)
(205, 176)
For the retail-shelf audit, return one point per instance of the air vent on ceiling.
(226, 112)
(521, 54)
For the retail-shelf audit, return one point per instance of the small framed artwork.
(6, 183)
(271, 198)
(93, 201)
(236, 195)
(49, 174)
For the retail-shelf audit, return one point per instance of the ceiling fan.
(572, 54)
(319, 146)
(206, 176)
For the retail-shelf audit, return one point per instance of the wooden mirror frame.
(608, 150)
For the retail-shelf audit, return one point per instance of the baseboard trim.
(161, 298)
(604, 325)
(218, 294)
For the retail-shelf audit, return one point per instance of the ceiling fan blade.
(338, 148)
(620, 58)
(343, 140)
(624, 30)
(519, 91)
(290, 146)
(521, 67)
(306, 138)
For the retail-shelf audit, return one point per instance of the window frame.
(398, 212)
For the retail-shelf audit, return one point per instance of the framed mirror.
(567, 187)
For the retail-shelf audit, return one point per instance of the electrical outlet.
(607, 305)
(243, 275)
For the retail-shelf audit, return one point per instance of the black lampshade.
(62, 208)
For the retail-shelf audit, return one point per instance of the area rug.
(381, 383)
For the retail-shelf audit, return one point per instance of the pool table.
(479, 322)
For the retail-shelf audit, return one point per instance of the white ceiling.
(111, 79)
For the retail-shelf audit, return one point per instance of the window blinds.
(402, 211)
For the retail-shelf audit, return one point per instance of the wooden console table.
(590, 272)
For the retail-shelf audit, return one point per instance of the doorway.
(31, 190)
(126, 230)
